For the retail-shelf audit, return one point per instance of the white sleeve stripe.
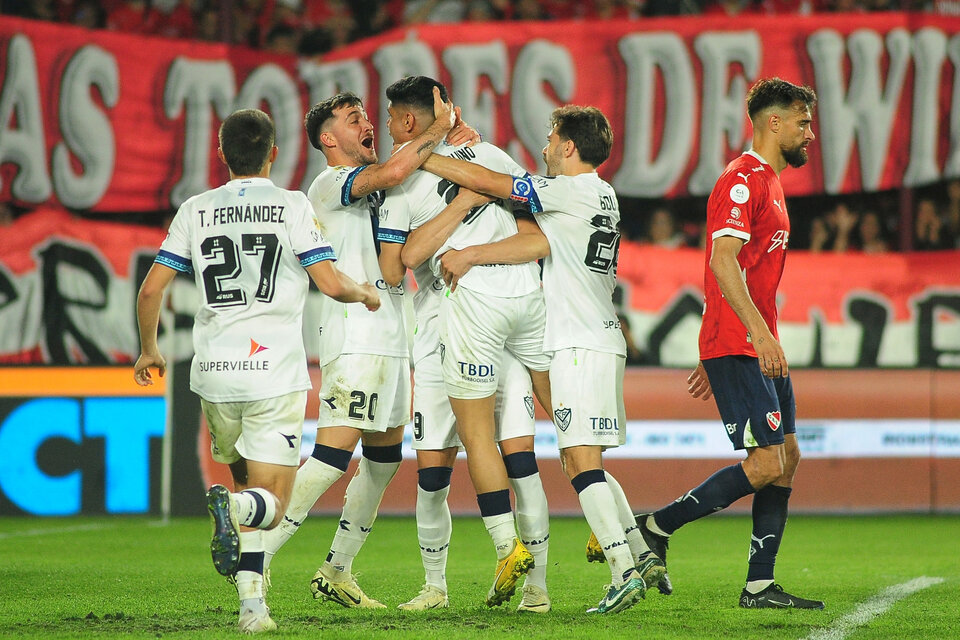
(726, 231)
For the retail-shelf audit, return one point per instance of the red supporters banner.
(68, 296)
(110, 122)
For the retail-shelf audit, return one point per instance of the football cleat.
(658, 545)
(254, 622)
(347, 592)
(509, 569)
(774, 597)
(651, 568)
(594, 550)
(225, 542)
(534, 599)
(621, 598)
(430, 597)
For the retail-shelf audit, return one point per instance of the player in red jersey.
(741, 361)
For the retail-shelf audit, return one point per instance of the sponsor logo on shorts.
(473, 372)
(417, 425)
(604, 424)
(562, 418)
(773, 419)
(528, 403)
(731, 427)
(290, 440)
(443, 351)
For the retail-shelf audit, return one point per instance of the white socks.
(434, 529)
(638, 546)
(250, 583)
(533, 523)
(600, 510)
(361, 502)
(313, 479)
(255, 507)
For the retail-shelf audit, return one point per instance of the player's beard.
(796, 157)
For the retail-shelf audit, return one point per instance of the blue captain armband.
(522, 191)
(395, 236)
(174, 261)
(314, 256)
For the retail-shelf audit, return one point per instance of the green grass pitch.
(140, 578)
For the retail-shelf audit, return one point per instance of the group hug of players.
(515, 275)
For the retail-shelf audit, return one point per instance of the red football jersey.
(747, 203)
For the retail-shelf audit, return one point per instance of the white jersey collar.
(756, 155)
(240, 183)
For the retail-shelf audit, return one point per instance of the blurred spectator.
(419, 11)
(208, 25)
(730, 7)
(130, 16)
(871, 233)
(953, 211)
(663, 231)
(175, 20)
(832, 231)
(283, 39)
(529, 10)
(929, 231)
(89, 14)
(6, 214)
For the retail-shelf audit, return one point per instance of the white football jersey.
(421, 198)
(579, 215)
(247, 243)
(350, 225)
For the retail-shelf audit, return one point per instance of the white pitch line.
(872, 608)
(29, 533)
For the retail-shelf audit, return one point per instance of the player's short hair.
(321, 112)
(416, 92)
(774, 92)
(246, 138)
(589, 130)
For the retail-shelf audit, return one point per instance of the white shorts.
(266, 430)
(475, 330)
(366, 392)
(435, 426)
(514, 412)
(586, 388)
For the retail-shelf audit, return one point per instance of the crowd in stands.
(864, 223)
(314, 27)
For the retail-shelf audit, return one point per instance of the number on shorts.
(603, 247)
(224, 250)
(360, 403)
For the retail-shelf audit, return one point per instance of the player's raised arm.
(726, 269)
(341, 287)
(470, 175)
(408, 158)
(424, 242)
(148, 318)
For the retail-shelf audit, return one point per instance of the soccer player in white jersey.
(578, 213)
(421, 198)
(247, 244)
(365, 388)
(497, 306)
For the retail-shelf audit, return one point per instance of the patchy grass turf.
(139, 578)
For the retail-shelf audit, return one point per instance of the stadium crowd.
(926, 220)
(314, 27)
